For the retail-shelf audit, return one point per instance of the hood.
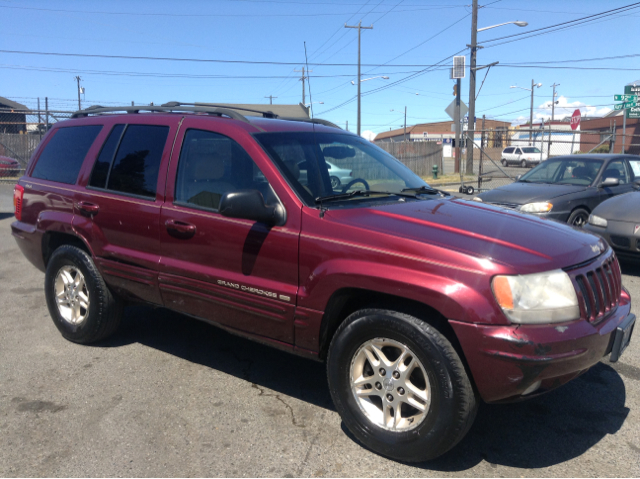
(525, 242)
(522, 193)
(621, 208)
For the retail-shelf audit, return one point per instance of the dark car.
(567, 188)
(617, 220)
(9, 167)
(421, 304)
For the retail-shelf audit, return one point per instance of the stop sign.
(575, 119)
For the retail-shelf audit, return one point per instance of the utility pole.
(533, 84)
(457, 168)
(78, 80)
(472, 85)
(347, 125)
(302, 79)
(271, 97)
(359, 27)
(553, 101)
(405, 123)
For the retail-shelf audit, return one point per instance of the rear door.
(119, 208)
(234, 272)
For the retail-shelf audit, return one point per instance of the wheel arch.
(52, 240)
(346, 301)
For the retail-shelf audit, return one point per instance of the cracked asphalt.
(172, 396)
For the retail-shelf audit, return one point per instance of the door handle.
(89, 208)
(184, 229)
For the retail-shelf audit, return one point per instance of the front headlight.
(597, 221)
(537, 298)
(536, 207)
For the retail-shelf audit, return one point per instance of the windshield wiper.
(427, 190)
(351, 194)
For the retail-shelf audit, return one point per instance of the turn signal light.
(18, 194)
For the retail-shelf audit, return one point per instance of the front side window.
(356, 164)
(64, 154)
(616, 169)
(211, 165)
(566, 171)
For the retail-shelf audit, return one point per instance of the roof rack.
(167, 107)
(211, 109)
(317, 121)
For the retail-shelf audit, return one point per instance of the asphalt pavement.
(171, 396)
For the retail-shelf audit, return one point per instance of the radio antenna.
(313, 124)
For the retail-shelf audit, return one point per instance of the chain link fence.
(20, 133)
(500, 157)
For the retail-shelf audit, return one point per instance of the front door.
(234, 272)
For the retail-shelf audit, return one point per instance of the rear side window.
(64, 154)
(130, 160)
(103, 163)
(508, 150)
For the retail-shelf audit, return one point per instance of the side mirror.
(249, 205)
(609, 182)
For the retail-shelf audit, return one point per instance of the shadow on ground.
(541, 432)
(632, 268)
(4, 216)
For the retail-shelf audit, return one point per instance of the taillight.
(18, 194)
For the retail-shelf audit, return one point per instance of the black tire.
(523, 163)
(453, 403)
(504, 162)
(103, 315)
(578, 217)
(335, 182)
(470, 190)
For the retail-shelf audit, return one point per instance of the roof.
(12, 104)
(288, 111)
(437, 127)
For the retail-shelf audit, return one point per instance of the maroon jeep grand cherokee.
(420, 303)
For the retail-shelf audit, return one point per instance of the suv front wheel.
(80, 304)
(399, 385)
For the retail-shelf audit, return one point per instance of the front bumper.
(508, 362)
(621, 236)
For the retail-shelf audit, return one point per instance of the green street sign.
(629, 104)
(632, 90)
(633, 112)
(625, 98)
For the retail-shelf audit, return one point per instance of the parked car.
(9, 167)
(339, 176)
(617, 220)
(421, 304)
(524, 156)
(567, 188)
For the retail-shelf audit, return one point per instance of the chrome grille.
(598, 286)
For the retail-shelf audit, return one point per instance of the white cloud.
(368, 134)
(563, 109)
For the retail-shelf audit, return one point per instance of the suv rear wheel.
(399, 385)
(80, 304)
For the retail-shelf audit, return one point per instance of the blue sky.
(406, 37)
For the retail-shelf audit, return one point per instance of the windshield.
(530, 150)
(320, 165)
(564, 170)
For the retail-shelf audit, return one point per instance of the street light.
(472, 75)
(314, 103)
(372, 78)
(517, 23)
(533, 86)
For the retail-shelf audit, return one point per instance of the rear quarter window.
(64, 154)
(507, 151)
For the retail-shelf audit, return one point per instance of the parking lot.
(171, 396)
